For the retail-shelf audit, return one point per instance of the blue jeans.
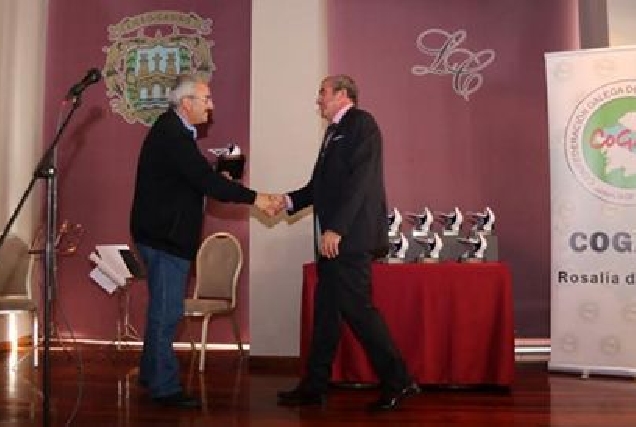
(167, 281)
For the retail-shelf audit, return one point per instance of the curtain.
(22, 54)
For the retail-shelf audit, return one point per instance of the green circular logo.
(600, 142)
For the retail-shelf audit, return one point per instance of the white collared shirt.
(338, 116)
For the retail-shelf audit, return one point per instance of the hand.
(270, 204)
(329, 242)
(279, 202)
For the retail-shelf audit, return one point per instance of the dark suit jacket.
(346, 187)
(172, 179)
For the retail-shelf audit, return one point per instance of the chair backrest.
(15, 267)
(218, 265)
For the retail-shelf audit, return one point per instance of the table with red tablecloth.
(452, 322)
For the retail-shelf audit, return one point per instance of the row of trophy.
(439, 236)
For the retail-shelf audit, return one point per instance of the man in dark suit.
(347, 192)
(173, 178)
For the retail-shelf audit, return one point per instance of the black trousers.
(343, 292)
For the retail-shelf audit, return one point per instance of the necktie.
(329, 132)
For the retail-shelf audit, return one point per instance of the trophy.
(395, 223)
(483, 222)
(230, 160)
(397, 249)
(452, 222)
(421, 223)
(432, 247)
(476, 248)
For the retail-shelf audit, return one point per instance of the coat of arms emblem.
(147, 53)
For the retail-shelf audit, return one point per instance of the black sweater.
(172, 179)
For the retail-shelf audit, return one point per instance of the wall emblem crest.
(147, 53)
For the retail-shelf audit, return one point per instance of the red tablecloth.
(452, 322)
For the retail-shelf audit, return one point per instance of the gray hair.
(343, 81)
(184, 87)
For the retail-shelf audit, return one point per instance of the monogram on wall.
(447, 57)
(147, 53)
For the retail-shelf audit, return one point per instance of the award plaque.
(422, 222)
(451, 222)
(230, 160)
(233, 164)
(395, 223)
(432, 248)
(483, 222)
(397, 249)
(476, 248)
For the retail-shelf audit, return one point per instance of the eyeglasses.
(205, 99)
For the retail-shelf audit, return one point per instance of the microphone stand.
(46, 170)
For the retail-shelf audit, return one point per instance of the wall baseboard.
(284, 365)
(526, 350)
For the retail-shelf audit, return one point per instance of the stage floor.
(243, 393)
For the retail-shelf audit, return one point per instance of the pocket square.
(337, 137)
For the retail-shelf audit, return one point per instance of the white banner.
(592, 125)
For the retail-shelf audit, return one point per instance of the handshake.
(270, 204)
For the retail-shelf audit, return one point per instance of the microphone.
(92, 76)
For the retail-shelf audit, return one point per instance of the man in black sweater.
(173, 178)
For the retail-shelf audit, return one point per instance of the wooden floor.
(237, 395)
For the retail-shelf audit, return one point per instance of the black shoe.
(178, 400)
(300, 396)
(391, 401)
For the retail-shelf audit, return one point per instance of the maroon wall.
(442, 151)
(98, 153)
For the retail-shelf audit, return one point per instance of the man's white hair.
(185, 87)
